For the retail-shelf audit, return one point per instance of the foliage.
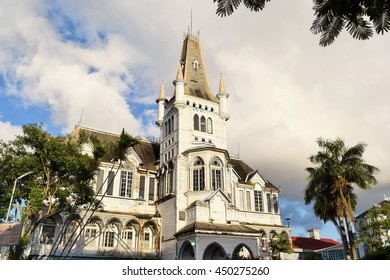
(376, 228)
(280, 244)
(61, 178)
(330, 185)
(359, 17)
(380, 254)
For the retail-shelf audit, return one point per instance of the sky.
(101, 63)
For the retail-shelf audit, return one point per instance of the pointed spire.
(179, 75)
(221, 85)
(162, 91)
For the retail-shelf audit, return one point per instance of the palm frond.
(255, 5)
(382, 23)
(227, 7)
(360, 28)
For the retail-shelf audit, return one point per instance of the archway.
(186, 251)
(242, 252)
(214, 251)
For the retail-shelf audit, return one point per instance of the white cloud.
(8, 131)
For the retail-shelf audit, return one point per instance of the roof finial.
(191, 23)
(162, 91)
(179, 75)
(221, 85)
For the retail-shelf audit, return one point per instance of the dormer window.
(195, 64)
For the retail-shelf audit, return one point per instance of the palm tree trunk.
(351, 238)
(343, 235)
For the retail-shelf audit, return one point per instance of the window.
(203, 124)
(196, 122)
(269, 203)
(91, 234)
(151, 188)
(209, 126)
(241, 199)
(198, 175)
(126, 183)
(110, 186)
(48, 230)
(169, 126)
(195, 64)
(142, 187)
(248, 201)
(216, 174)
(71, 232)
(110, 235)
(99, 181)
(275, 203)
(258, 196)
(108, 239)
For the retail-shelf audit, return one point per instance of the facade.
(184, 197)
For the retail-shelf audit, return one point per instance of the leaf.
(227, 7)
(360, 29)
(332, 31)
(255, 5)
(382, 23)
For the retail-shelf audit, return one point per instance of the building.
(315, 247)
(363, 219)
(184, 197)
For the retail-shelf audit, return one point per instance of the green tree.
(359, 17)
(330, 185)
(280, 244)
(61, 178)
(375, 229)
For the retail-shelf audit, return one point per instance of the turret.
(161, 104)
(179, 89)
(222, 97)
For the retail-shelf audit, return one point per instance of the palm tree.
(330, 185)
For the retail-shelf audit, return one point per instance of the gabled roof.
(245, 172)
(147, 151)
(197, 83)
(308, 243)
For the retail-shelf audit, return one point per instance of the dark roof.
(363, 215)
(307, 243)
(147, 151)
(246, 172)
(202, 227)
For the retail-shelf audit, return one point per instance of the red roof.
(308, 243)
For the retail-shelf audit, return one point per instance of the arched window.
(129, 235)
(203, 124)
(198, 175)
(48, 229)
(110, 236)
(166, 129)
(196, 122)
(209, 126)
(91, 235)
(216, 174)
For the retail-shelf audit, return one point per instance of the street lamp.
(13, 191)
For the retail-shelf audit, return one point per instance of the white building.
(182, 198)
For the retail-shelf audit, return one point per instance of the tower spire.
(161, 103)
(222, 97)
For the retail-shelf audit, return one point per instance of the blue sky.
(102, 62)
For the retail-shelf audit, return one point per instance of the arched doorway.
(214, 251)
(186, 251)
(242, 252)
